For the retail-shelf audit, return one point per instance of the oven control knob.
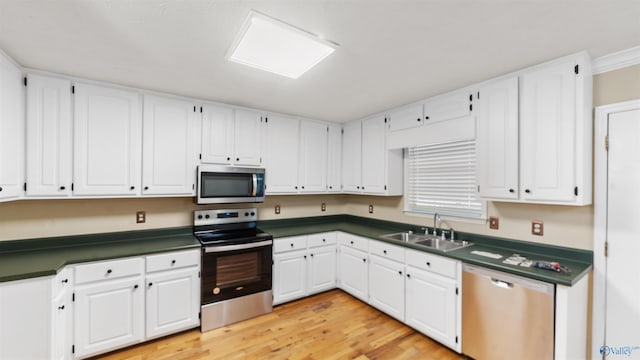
(253, 214)
(246, 214)
(199, 217)
(207, 216)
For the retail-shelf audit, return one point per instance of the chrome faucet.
(436, 223)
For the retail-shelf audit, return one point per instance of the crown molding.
(617, 60)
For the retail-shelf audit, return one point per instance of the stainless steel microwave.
(227, 185)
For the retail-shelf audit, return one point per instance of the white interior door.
(622, 304)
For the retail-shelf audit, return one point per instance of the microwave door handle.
(255, 184)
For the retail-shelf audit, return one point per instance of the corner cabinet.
(12, 131)
(548, 108)
(170, 146)
(353, 267)
(367, 166)
(107, 141)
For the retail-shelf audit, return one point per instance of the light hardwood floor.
(331, 325)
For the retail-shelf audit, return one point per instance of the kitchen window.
(442, 178)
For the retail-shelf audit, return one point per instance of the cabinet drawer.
(433, 263)
(387, 251)
(353, 241)
(289, 244)
(321, 239)
(106, 270)
(173, 260)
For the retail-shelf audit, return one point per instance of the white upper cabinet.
(406, 117)
(12, 131)
(248, 131)
(217, 134)
(171, 145)
(334, 158)
(282, 154)
(449, 106)
(49, 136)
(374, 154)
(550, 133)
(352, 157)
(497, 141)
(107, 139)
(313, 157)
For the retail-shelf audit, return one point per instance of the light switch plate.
(537, 227)
(323, 207)
(494, 222)
(370, 209)
(141, 217)
(277, 209)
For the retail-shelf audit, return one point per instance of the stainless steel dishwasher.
(506, 316)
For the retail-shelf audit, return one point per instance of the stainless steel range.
(236, 266)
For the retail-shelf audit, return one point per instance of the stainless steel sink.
(429, 241)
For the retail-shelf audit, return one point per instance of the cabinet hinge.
(73, 297)
(385, 187)
(200, 109)
(25, 81)
(25, 186)
(457, 292)
(260, 159)
(193, 186)
(71, 186)
(575, 191)
(385, 120)
(194, 108)
(478, 188)
(73, 89)
(606, 249)
(456, 339)
(73, 349)
(576, 69)
(606, 142)
(470, 107)
(200, 156)
(200, 315)
(470, 97)
(198, 274)
(266, 119)
(327, 129)
(478, 95)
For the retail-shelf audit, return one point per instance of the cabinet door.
(406, 117)
(173, 301)
(217, 134)
(49, 136)
(353, 272)
(374, 153)
(547, 133)
(431, 306)
(25, 319)
(313, 162)
(247, 138)
(449, 106)
(107, 141)
(171, 145)
(321, 274)
(61, 329)
(352, 157)
(108, 315)
(282, 151)
(386, 286)
(12, 124)
(497, 142)
(289, 276)
(334, 159)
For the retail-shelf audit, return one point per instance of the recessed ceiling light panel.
(272, 45)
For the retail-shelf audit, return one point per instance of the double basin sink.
(428, 241)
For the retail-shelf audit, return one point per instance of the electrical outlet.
(141, 217)
(494, 222)
(277, 209)
(370, 209)
(537, 227)
(323, 207)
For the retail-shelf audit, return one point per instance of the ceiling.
(391, 52)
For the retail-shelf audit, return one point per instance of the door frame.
(600, 220)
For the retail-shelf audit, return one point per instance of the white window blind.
(442, 178)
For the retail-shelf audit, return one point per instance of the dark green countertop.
(579, 261)
(23, 259)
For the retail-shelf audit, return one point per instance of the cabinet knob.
(291, 244)
(0, 188)
(65, 281)
(135, 286)
(150, 284)
(62, 187)
(384, 252)
(409, 276)
(132, 188)
(228, 158)
(237, 159)
(400, 272)
(351, 242)
(61, 307)
(357, 187)
(303, 186)
(311, 255)
(418, 119)
(305, 256)
(296, 187)
(109, 271)
(330, 187)
(324, 240)
(426, 118)
(364, 260)
(173, 262)
(527, 191)
(146, 188)
(428, 264)
(363, 188)
(512, 191)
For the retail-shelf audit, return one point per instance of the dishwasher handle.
(501, 284)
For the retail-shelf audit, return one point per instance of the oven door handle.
(255, 185)
(210, 249)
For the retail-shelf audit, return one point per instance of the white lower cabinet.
(353, 272)
(62, 315)
(433, 304)
(303, 265)
(173, 292)
(386, 286)
(109, 314)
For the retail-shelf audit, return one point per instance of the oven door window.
(230, 274)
